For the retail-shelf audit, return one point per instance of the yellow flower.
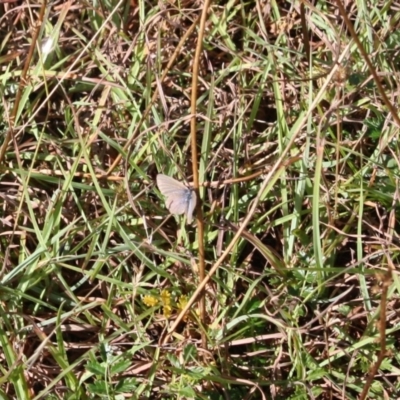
(167, 311)
(165, 297)
(182, 302)
(150, 301)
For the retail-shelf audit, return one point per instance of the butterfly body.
(180, 199)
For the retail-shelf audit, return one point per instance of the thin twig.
(193, 134)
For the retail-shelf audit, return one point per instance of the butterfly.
(180, 199)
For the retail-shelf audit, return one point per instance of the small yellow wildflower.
(167, 311)
(165, 297)
(182, 302)
(150, 301)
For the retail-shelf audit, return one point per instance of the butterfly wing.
(176, 203)
(191, 205)
(168, 185)
(177, 195)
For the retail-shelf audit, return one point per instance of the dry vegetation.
(297, 141)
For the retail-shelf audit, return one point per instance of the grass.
(285, 286)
